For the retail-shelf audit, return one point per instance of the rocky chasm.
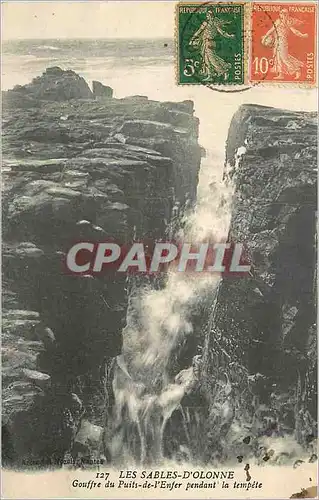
(80, 164)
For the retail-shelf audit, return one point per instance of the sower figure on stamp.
(204, 40)
(277, 37)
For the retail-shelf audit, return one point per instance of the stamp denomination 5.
(211, 43)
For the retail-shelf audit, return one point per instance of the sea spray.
(158, 320)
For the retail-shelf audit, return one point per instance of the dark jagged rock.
(100, 90)
(274, 212)
(261, 334)
(74, 170)
(56, 85)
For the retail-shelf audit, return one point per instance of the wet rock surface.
(259, 355)
(81, 165)
(76, 168)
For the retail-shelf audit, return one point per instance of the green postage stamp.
(210, 38)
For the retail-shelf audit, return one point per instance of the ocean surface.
(144, 67)
(105, 60)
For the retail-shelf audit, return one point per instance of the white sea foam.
(47, 47)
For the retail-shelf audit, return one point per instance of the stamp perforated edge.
(244, 44)
(277, 84)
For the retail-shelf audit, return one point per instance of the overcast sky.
(88, 19)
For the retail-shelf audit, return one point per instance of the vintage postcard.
(159, 250)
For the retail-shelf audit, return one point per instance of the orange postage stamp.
(283, 43)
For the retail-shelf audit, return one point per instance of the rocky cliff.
(77, 165)
(259, 357)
